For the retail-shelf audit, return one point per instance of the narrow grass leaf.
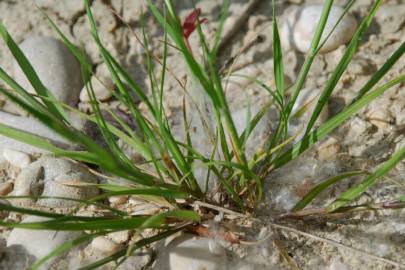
(30, 73)
(333, 123)
(354, 192)
(342, 66)
(314, 192)
(382, 71)
(278, 56)
(68, 245)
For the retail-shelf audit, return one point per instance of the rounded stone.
(188, 252)
(104, 245)
(337, 265)
(119, 237)
(17, 158)
(54, 177)
(55, 65)
(300, 26)
(39, 243)
(102, 87)
(215, 248)
(302, 112)
(118, 200)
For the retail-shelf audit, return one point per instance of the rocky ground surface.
(370, 240)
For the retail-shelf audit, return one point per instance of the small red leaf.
(190, 22)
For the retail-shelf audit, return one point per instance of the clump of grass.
(170, 178)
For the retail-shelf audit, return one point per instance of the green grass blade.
(382, 71)
(342, 66)
(176, 33)
(345, 11)
(80, 55)
(164, 130)
(255, 121)
(222, 19)
(105, 260)
(41, 213)
(274, 94)
(164, 193)
(128, 251)
(310, 57)
(6, 207)
(30, 73)
(68, 245)
(28, 98)
(333, 123)
(156, 221)
(69, 223)
(45, 144)
(96, 224)
(278, 56)
(354, 192)
(281, 130)
(104, 158)
(314, 192)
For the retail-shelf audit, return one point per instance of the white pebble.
(56, 66)
(102, 87)
(215, 248)
(104, 245)
(187, 252)
(300, 26)
(39, 243)
(119, 237)
(263, 234)
(53, 177)
(118, 200)
(338, 265)
(328, 149)
(138, 207)
(17, 158)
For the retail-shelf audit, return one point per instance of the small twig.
(242, 19)
(283, 252)
(206, 232)
(229, 66)
(339, 245)
(312, 212)
(144, 47)
(219, 209)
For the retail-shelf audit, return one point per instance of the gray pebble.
(102, 87)
(105, 246)
(17, 158)
(30, 125)
(38, 243)
(55, 65)
(48, 176)
(187, 252)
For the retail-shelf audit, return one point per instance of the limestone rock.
(38, 243)
(17, 158)
(55, 65)
(300, 26)
(187, 252)
(54, 177)
(104, 245)
(102, 87)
